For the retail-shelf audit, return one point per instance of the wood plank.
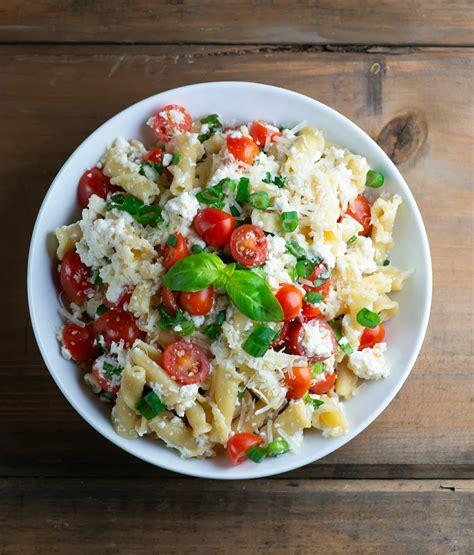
(78, 87)
(417, 22)
(189, 516)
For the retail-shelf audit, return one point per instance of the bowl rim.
(295, 462)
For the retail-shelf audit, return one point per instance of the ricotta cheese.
(370, 363)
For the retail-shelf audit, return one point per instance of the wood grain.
(78, 87)
(366, 22)
(201, 516)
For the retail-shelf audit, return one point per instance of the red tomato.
(171, 254)
(168, 298)
(359, 209)
(296, 335)
(324, 288)
(239, 444)
(214, 226)
(124, 298)
(75, 278)
(279, 343)
(261, 132)
(116, 324)
(197, 303)
(310, 311)
(170, 121)
(107, 383)
(186, 362)
(242, 149)
(298, 380)
(248, 245)
(291, 300)
(324, 385)
(93, 182)
(371, 336)
(155, 156)
(79, 342)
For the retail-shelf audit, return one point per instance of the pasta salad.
(227, 287)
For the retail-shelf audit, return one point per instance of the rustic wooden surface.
(405, 484)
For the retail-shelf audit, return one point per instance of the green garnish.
(213, 330)
(317, 368)
(95, 276)
(374, 179)
(315, 402)
(212, 196)
(259, 200)
(386, 262)
(178, 323)
(110, 370)
(289, 221)
(258, 342)
(101, 309)
(150, 405)
(267, 178)
(368, 319)
(240, 393)
(313, 297)
(196, 249)
(243, 190)
(277, 447)
(352, 240)
(322, 278)
(143, 213)
(214, 125)
(277, 180)
(256, 454)
(342, 341)
(234, 211)
(304, 268)
(294, 248)
(176, 159)
(172, 240)
(151, 170)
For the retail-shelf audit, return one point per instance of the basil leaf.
(252, 295)
(194, 273)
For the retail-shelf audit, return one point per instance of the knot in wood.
(403, 136)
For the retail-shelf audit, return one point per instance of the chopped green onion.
(256, 454)
(313, 297)
(289, 221)
(101, 309)
(213, 330)
(368, 319)
(196, 249)
(386, 262)
(110, 370)
(243, 190)
(322, 278)
(150, 405)
(374, 179)
(184, 328)
(227, 182)
(277, 447)
(234, 211)
(315, 402)
(214, 125)
(240, 393)
(260, 200)
(304, 268)
(172, 240)
(95, 276)
(342, 341)
(317, 368)
(211, 196)
(176, 159)
(143, 214)
(267, 178)
(149, 215)
(353, 239)
(294, 248)
(151, 170)
(258, 342)
(280, 182)
(220, 317)
(292, 274)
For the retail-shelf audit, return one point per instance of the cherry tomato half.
(359, 209)
(324, 288)
(168, 298)
(239, 444)
(173, 253)
(93, 182)
(79, 342)
(324, 385)
(170, 121)
(242, 149)
(117, 324)
(310, 311)
(155, 156)
(279, 344)
(107, 383)
(186, 362)
(214, 226)
(298, 380)
(370, 337)
(74, 277)
(261, 132)
(248, 245)
(296, 336)
(197, 303)
(290, 299)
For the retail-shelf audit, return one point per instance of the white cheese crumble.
(317, 340)
(370, 363)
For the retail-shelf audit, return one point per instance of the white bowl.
(239, 102)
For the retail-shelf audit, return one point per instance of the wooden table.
(401, 70)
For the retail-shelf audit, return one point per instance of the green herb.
(240, 393)
(178, 323)
(214, 125)
(289, 221)
(280, 182)
(258, 342)
(101, 309)
(176, 159)
(368, 319)
(95, 276)
(99, 341)
(294, 248)
(227, 183)
(343, 343)
(386, 262)
(352, 240)
(304, 268)
(243, 190)
(313, 297)
(149, 215)
(106, 396)
(196, 249)
(150, 405)
(234, 211)
(315, 402)
(110, 370)
(184, 328)
(267, 178)
(293, 275)
(143, 214)
(374, 179)
(194, 273)
(259, 200)
(172, 240)
(322, 278)
(211, 196)
(151, 170)
(213, 330)
(277, 447)
(317, 368)
(256, 454)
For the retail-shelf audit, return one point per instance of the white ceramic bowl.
(239, 102)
